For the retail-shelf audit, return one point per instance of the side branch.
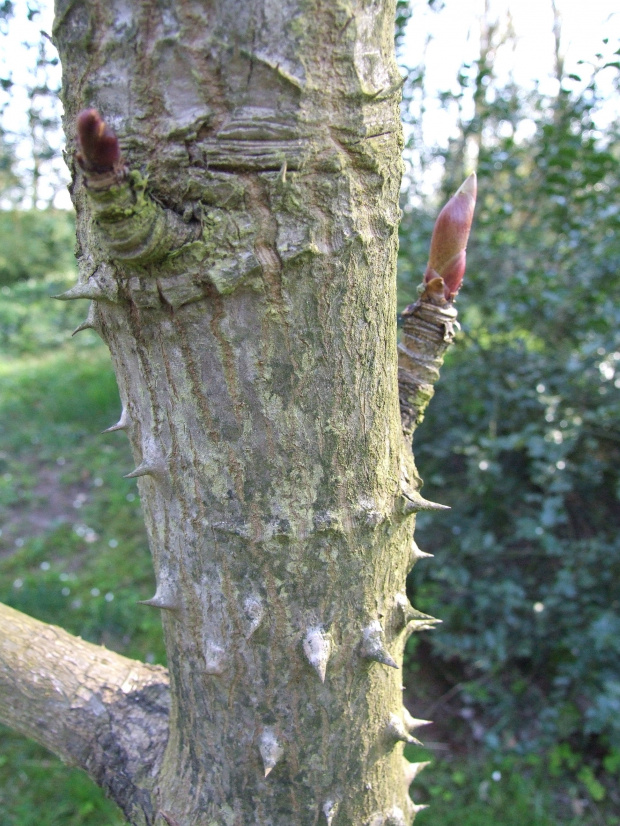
(83, 703)
(428, 332)
(429, 323)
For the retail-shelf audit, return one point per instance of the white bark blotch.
(412, 770)
(270, 750)
(317, 648)
(373, 645)
(330, 807)
(215, 658)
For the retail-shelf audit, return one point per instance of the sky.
(455, 32)
(443, 38)
(448, 34)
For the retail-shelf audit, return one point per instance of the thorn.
(87, 290)
(317, 648)
(416, 553)
(89, 324)
(412, 770)
(412, 723)
(373, 645)
(412, 502)
(330, 807)
(122, 424)
(143, 469)
(270, 750)
(85, 325)
(396, 817)
(416, 625)
(411, 618)
(163, 599)
(215, 658)
(396, 731)
(253, 610)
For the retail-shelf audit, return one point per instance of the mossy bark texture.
(243, 277)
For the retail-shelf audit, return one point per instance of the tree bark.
(243, 277)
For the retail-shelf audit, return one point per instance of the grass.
(73, 548)
(501, 790)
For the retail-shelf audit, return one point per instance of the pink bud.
(450, 234)
(99, 148)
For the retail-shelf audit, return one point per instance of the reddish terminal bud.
(99, 148)
(449, 241)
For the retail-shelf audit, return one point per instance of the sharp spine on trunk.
(416, 625)
(410, 618)
(122, 424)
(373, 645)
(270, 750)
(87, 290)
(330, 807)
(412, 723)
(413, 503)
(317, 648)
(396, 731)
(163, 599)
(412, 770)
(143, 469)
(90, 323)
(416, 553)
(395, 817)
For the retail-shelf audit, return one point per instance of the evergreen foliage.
(523, 437)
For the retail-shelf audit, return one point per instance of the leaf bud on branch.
(99, 155)
(447, 256)
(429, 323)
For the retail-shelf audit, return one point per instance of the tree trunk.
(243, 276)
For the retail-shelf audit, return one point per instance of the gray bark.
(243, 277)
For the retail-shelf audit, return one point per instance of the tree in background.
(527, 575)
(34, 135)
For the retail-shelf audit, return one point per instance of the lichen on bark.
(247, 296)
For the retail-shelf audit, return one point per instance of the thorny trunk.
(248, 300)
